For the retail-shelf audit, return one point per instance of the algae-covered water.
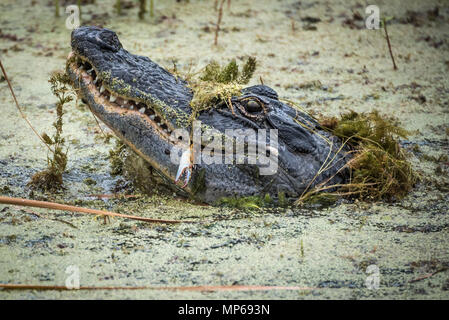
(327, 66)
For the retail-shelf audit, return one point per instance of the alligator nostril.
(109, 40)
(167, 152)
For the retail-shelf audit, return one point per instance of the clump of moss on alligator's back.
(379, 168)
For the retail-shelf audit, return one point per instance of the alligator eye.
(253, 106)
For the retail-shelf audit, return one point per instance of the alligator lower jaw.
(113, 101)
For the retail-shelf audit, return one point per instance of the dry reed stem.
(220, 15)
(20, 109)
(389, 45)
(65, 207)
(13, 286)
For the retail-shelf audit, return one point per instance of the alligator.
(145, 105)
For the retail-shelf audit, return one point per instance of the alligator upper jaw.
(122, 113)
(113, 100)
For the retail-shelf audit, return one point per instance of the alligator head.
(145, 105)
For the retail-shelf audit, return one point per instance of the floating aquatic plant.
(51, 177)
(246, 203)
(116, 156)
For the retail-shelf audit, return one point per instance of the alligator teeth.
(152, 117)
(96, 80)
(90, 71)
(125, 102)
(142, 110)
(132, 107)
(112, 98)
(102, 89)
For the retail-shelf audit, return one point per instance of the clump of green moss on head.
(379, 168)
(218, 83)
(50, 179)
(213, 72)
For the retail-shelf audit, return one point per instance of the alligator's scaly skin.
(164, 101)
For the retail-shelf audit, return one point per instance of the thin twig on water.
(20, 109)
(45, 217)
(426, 276)
(220, 15)
(389, 44)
